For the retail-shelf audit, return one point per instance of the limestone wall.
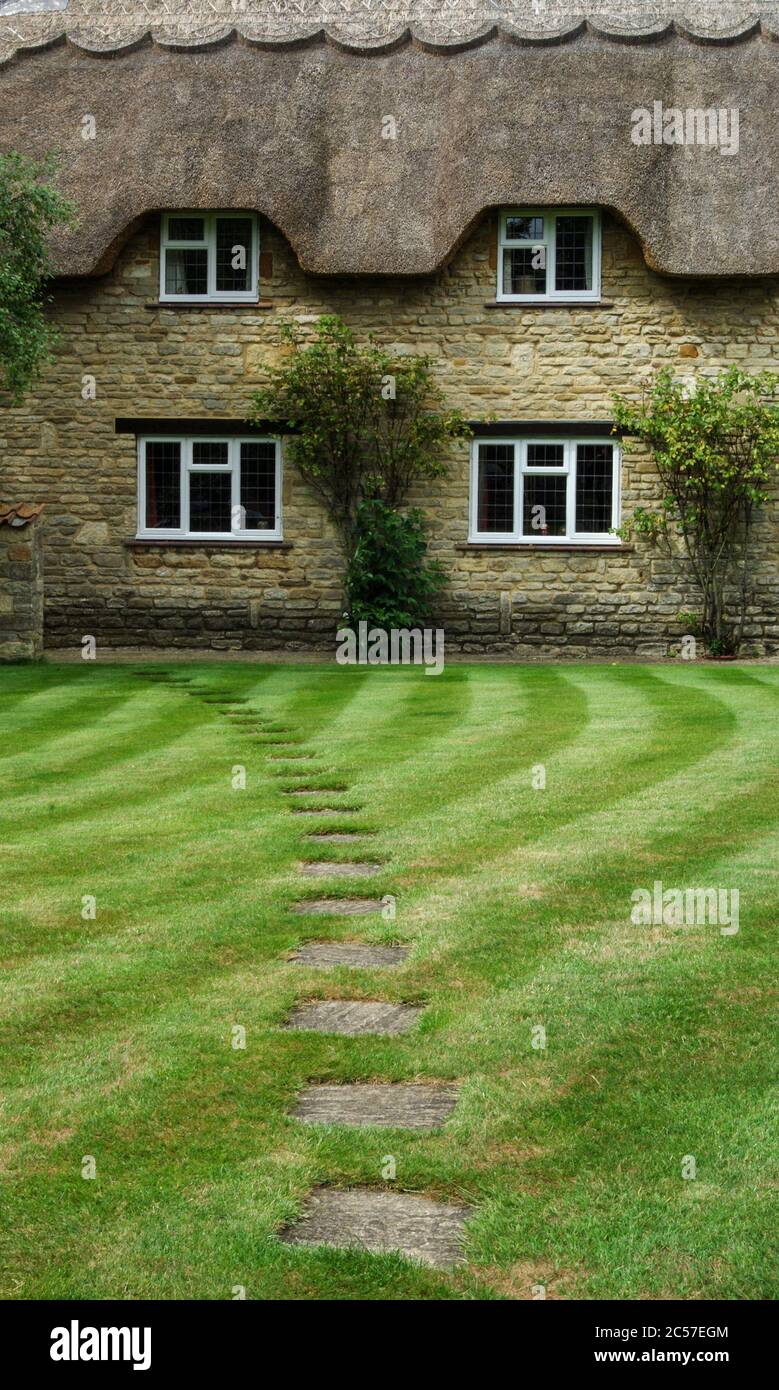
(526, 362)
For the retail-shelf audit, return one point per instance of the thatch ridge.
(365, 26)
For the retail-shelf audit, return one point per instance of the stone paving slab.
(337, 907)
(323, 869)
(360, 1218)
(353, 1017)
(336, 837)
(285, 764)
(314, 791)
(391, 1106)
(323, 955)
(326, 811)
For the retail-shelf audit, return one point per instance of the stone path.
(353, 1017)
(381, 1222)
(361, 1217)
(355, 1218)
(392, 1106)
(322, 955)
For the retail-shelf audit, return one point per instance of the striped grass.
(117, 1032)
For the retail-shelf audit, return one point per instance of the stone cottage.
(553, 200)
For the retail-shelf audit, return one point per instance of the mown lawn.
(117, 1032)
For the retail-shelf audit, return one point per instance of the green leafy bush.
(715, 447)
(389, 583)
(29, 209)
(362, 423)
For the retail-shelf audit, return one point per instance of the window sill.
(549, 304)
(185, 542)
(553, 547)
(209, 306)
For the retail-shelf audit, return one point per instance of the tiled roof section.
(367, 25)
(18, 513)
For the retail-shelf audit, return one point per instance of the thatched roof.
(366, 23)
(278, 105)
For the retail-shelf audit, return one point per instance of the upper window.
(209, 489)
(544, 490)
(209, 256)
(549, 254)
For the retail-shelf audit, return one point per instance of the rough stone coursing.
(552, 363)
(21, 591)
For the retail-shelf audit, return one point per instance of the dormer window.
(549, 254)
(209, 257)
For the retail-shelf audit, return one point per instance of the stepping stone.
(327, 811)
(353, 1017)
(282, 770)
(382, 1222)
(323, 869)
(314, 791)
(336, 837)
(337, 907)
(386, 1106)
(322, 955)
(288, 757)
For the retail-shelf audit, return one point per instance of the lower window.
(544, 490)
(209, 489)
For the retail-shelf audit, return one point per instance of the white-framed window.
(209, 256)
(549, 254)
(209, 488)
(545, 491)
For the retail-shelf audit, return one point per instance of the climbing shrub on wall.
(364, 427)
(716, 448)
(30, 207)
